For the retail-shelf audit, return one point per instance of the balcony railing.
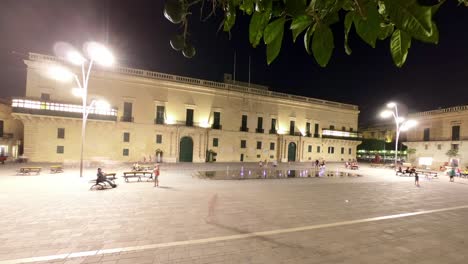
(126, 119)
(259, 130)
(216, 126)
(244, 129)
(47, 108)
(7, 135)
(189, 123)
(273, 131)
(339, 134)
(316, 135)
(159, 121)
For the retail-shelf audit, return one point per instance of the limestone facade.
(437, 132)
(11, 132)
(178, 119)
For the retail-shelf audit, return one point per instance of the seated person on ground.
(101, 177)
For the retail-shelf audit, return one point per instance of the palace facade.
(11, 132)
(178, 119)
(439, 131)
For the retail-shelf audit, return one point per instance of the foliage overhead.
(400, 21)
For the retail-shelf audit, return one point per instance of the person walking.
(416, 177)
(156, 175)
(452, 174)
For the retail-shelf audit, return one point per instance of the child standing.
(156, 175)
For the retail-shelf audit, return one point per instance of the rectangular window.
(45, 96)
(1, 128)
(316, 130)
(439, 146)
(332, 127)
(343, 128)
(426, 134)
(243, 143)
(259, 125)
(273, 126)
(292, 125)
(127, 114)
(272, 145)
(60, 150)
(126, 137)
(160, 112)
(189, 117)
(259, 145)
(60, 132)
(350, 151)
(125, 152)
(215, 142)
(350, 129)
(331, 150)
(455, 132)
(342, 150)
(244, 123)
(454, 146)
(216, 120)
(318, 149)
(310, 148)
(158, 139)
(308, 129)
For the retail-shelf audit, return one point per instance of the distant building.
(379, 141)
(439, 131)
(179, 119)
(11, 131)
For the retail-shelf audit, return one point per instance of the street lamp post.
(400, 122)
(96, 53)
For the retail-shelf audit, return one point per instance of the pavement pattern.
(377, 218)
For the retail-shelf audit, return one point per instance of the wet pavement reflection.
(260, 173)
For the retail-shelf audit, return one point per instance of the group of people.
(101, 175)
(319, 164)
(350, 164)
(410, 171)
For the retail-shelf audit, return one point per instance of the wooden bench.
(138, 174)
(427, 173)
(111, 175)
(28, 170)
(56, 169)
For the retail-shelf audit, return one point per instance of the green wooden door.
(292, 151)
(186, 150)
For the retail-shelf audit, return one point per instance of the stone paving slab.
(57, 214)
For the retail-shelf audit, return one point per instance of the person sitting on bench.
(101, 177)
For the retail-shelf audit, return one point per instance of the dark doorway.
(186, 149)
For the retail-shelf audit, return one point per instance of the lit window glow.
(32, 104)
(337, 133)
(426, 161)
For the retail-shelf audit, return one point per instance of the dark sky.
(434, 75)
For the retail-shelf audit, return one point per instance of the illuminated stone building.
(179, 119)
(437, 132)
(11, 132)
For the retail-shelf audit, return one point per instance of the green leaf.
(331, 18)
(399, 45)
(386, 31)
(348, 23)
(274, 30)
(295, 8)
(433, 38)
(323, 44)
(264, 5)
(368, 28)
(299, 24)
(410, 17)
(257, 25)
(274, 47)
(247, 6)
(230, 18)
(308, 37)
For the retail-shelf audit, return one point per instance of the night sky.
(434, 75)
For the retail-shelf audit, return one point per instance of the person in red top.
(156, 175)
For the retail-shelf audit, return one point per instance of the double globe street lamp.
(401, 123)
(95, 53)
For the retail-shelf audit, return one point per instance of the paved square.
(377, 218)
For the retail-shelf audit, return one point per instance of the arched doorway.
(292, 151)
(158, 158)
(186, 149)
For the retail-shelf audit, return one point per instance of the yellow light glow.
(75, 57)
(60, 73)
(391, 104)
(386, 114)
(78, 92)
(170, 120)
(99, 53)
(204, 124)
(281, 131)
